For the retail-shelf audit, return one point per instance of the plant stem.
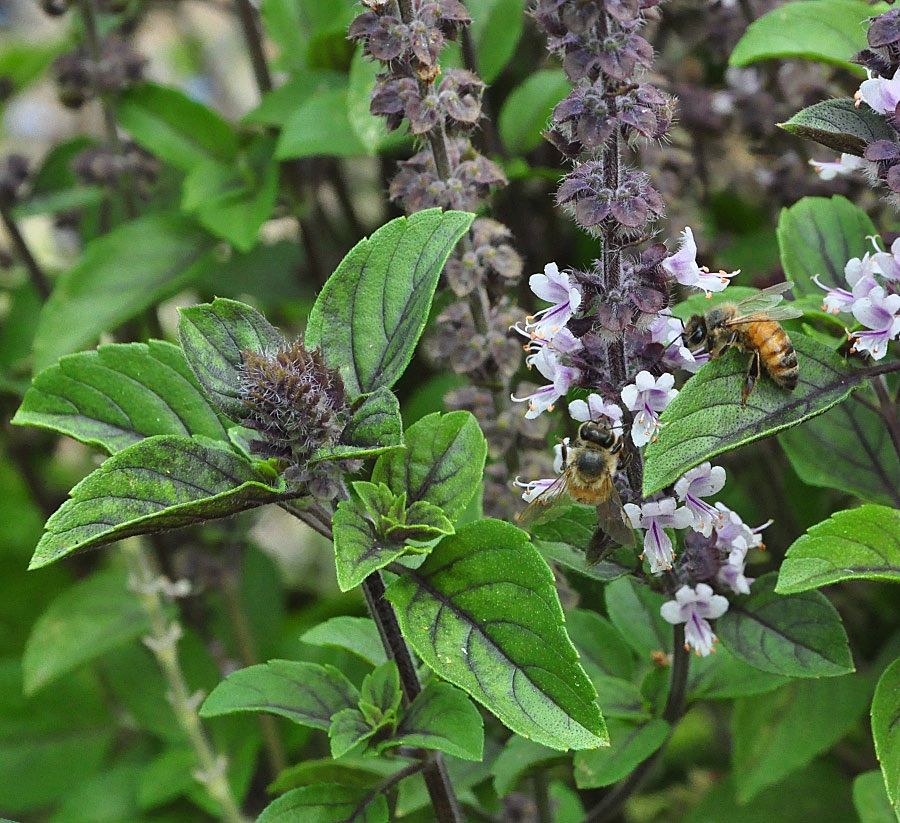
(542, 798)
(888, 410)
(387, 785)
(437, 781)
(162, 641)
(35, 272)
(253, 36)
(243, 635)
(610, 806)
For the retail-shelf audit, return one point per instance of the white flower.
(828, 170)
(879, 312)
(731, 572)
(534, 488)
(700, 482)
(666, 330)
(695, 607)
(548, 357)
(880, 93)
(859, 272)
(654, 519)
(683, 267)
(887, 264)
(597, 409)
(646, 398)
(557, 288)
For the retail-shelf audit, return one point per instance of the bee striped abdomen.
(776, 352)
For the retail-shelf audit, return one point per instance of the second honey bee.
(588, 466)
(750, 325)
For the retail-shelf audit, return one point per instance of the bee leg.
(753, 373)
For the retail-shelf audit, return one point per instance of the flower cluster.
(80, 78)
(102, 166)
(873, 298)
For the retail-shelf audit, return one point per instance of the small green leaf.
(723, 677)
(520, 757)
(320, 126)
(483, 613)
(840, 125)
(213, 336)
(528, 107)
(780, 732)
(617, 564)
(634, 611)
(119, 394)
(861, 543)
(375, 427)
(602, 647)
(707, 418)
(358, 548)
(797, 635)
(88, 619)
(871, 800)
(370, 130)
(348, 771)
(326, 803)
(358, 635)
(175, 128)
(159, 483)
(886, 730)
(847, 448)
(826, 31)
(424, 521)
(817, 236)
(166, 252)
(442, 463)
(496, 29)
(380, 695)
(371, 312)
(307, 693)
(629, 745)
(442, 718)
(278, 105)
(349, 729)
(619, 698)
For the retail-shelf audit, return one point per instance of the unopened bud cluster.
(80, 78)
(101, 166)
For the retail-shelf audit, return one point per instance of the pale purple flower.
(859, 272)
(666, 330)
(731, 572)
(700, 482)
(683, 267)
(695, 607)
(887, 263)
(654, 518)
(846, 165)
(880, 94)
(557, 288)
(879, 312)
(534, 488)
(646, 398)
(732, 533)
(547, 356)
(597, 409)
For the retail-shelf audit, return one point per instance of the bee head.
(694, 333)
(597, 433)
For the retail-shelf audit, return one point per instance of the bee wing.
(555, 495)
(612, 518)
(764, 300)
(779, 313)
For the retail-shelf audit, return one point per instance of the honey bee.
(750, 325)
(588, 466)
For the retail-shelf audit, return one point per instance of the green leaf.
(234, 200)
(442, 718)
(707, 418)
(861, 543)
(307, 693)
(629, 745)
(610, 568)
(840, 125)
(167, 777)
(602, 647)
(825, 31)
(159, 483)
(797, 635)
(371, 312)
(528, 107)
(496, 29)
(358, 635)
(518, 759)
(214, 337)
(619, 698)
(174, 127)
(326, 803)
(88, 619)
(482, 612)
(886, 730)
(871, 800)
(348, 771)
(165, 253)
(380, 695)
(375, 427)
(778, 733)
(320, 126)
(442, 463)
(118, 395)
(848, 448)
(817, 236)
(370, 130)
(723, 677)
(358, 548)
(278, 105)
(634, 611)
(349, 728)
(820, 792)
(107, 797)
